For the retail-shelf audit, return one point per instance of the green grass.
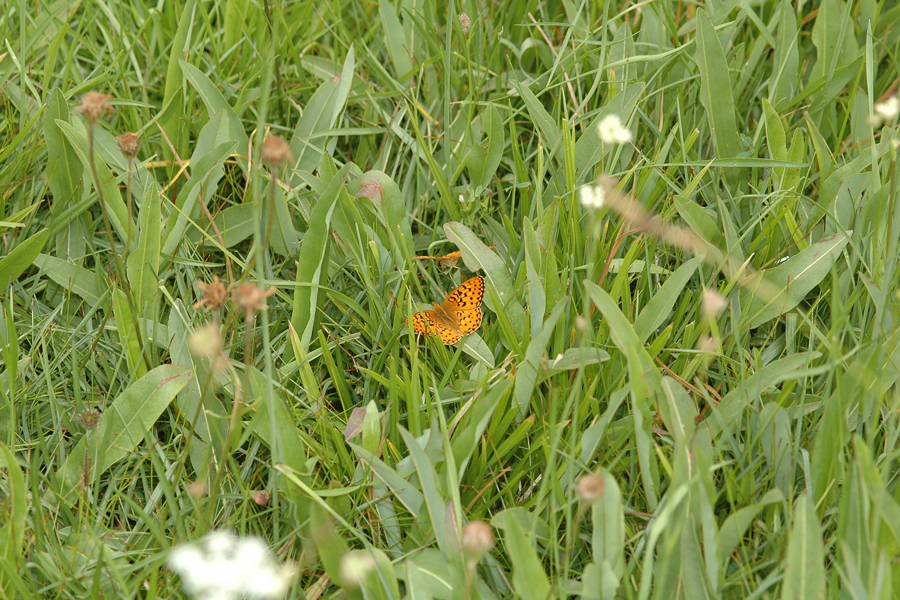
(750, 452)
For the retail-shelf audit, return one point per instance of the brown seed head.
(214, 294)
(197, 488)
(249, 298)
(129, 144)
(477, 539)
(94, 105)
(590, 488)
(276, 151)
(90, 418)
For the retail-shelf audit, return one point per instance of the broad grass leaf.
(658, 309)
(540, 116)
(124, 424)
(475, 347)
(312, 260)
(21, 257)
(118, 212)
(330, 546)
(729, 410)
(205, 413)
(75, 279)
(644, 379)
(792, 280)
(319, 115)
(434, 501)
(171, 118)
(529, 581)
(699, 221)
(142, 265)
(467, 436)
(735, 526)
(608, 520)
(777, 445)
(280, 229)
(204, 179)
(63, 166)
(804, 570)
(411, 498)
(236, 223)
(484, 157)
(398, 45)
(826, 33)
(125, 325)
(678, 411)
(293, 451)
(14, 510)
(215, 103)
(537, 298)
(715, 88)
(830, 438)
(385, 194)
(527, 371)
(786, 63)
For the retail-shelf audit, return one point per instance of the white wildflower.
(592, 197)
(889, 109)
(221, 566)
(355, 567)
(611, 130)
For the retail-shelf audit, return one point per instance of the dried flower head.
(249, 298)
(214, 294)
(129, 144)
(355, 567)
(706, 344)
(276, 151)
(94, 105)
(197, 488)
(465, 22)
(612, 131)
(89, 418)
(581, 323)
(590, 488)
(712, 303)
(477, 539)
(222, 566)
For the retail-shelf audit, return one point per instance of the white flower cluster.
(884, 112)
(612, 131)
(221, 566)
(592, 197)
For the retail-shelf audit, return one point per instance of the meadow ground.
(686, 220)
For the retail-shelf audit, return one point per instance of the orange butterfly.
(459, 314)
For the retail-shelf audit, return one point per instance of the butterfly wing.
(428, 323)
(463, 305)
(467, 296)
(469, 320)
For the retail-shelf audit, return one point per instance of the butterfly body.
(459, 314)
